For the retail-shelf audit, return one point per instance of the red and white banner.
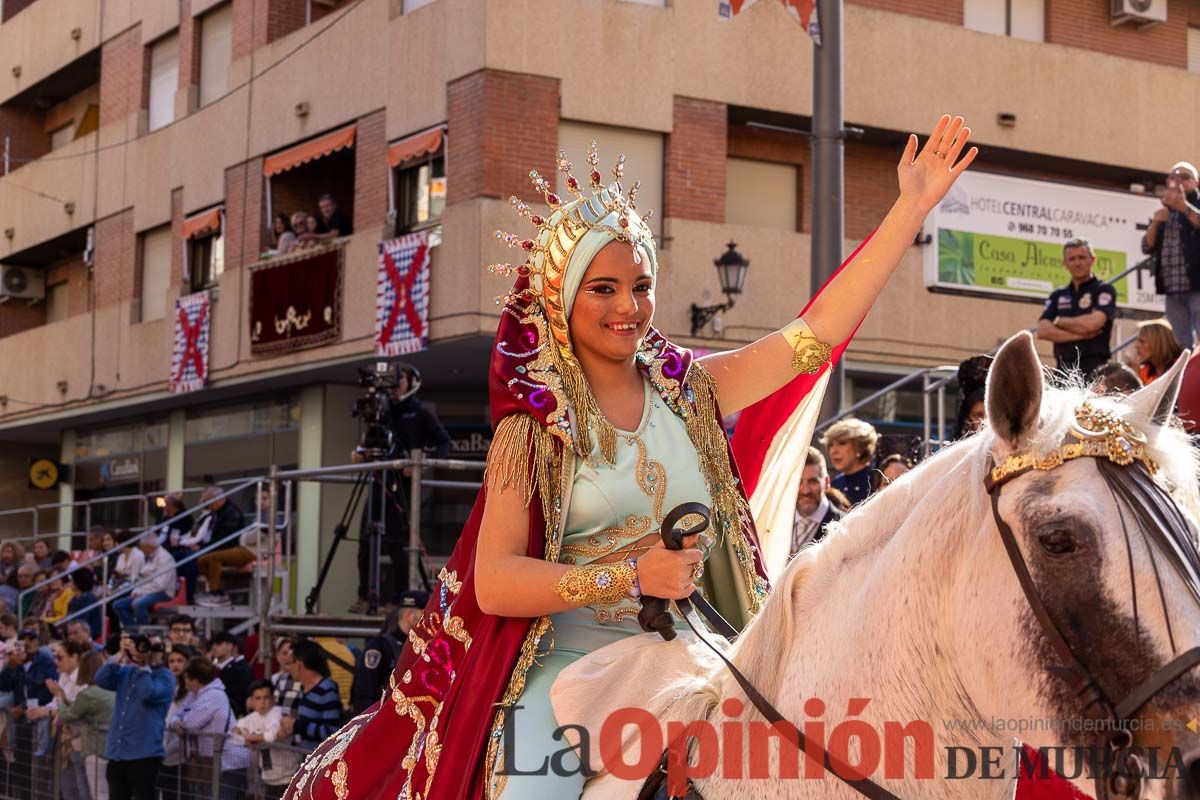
(402, 295)
(803, 11)
(189, 358)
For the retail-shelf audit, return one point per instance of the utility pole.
(828, 182)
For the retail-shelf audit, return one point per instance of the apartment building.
(149, 143)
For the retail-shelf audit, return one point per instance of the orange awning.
(421, 144)
(312, 149)
(202, 223)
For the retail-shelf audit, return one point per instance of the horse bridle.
(1104, 436)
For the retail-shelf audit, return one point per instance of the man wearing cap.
(380, 654)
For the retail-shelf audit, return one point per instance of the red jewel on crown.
(537, 219)
(552, 199)
(527, 244)
(596, 177)
(571, 182)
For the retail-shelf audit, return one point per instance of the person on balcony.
(333, 223)
(285, 235)
(1078, 318)
(158, 583)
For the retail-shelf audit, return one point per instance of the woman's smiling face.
(614, 305)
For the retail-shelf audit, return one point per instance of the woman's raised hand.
(926, 177)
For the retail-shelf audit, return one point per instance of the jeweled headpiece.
(576, 228)
(1094, 434)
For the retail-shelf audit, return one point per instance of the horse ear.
(1014, 390)
(1157, 400)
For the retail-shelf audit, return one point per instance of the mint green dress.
(611, 509)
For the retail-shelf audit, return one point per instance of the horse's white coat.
(914, 605)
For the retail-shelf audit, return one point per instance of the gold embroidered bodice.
(615, 511)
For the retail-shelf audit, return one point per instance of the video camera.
(375, 408)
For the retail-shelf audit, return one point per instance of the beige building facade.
(148, 144)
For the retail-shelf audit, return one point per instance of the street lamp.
(731, 270)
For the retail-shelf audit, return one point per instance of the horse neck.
(869, 612)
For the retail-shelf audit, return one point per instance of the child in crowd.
(262, 726)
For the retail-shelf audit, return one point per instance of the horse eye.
(1057, 542)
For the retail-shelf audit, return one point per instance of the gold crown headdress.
(605, 208)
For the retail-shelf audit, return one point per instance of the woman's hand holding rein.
(669, 574)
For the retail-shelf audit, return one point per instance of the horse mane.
(948, 490)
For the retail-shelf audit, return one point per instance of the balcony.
(45, 38)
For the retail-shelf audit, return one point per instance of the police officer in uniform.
(379, 656)
(1078, 318)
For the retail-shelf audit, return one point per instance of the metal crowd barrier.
(206, 766)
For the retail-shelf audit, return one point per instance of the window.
(1193, 49)
(420, 194)
(643, 161)
(164, 80)
(412, 5)
(1021, 19)
(57, 301)
(61, 137)
(216, 51)
(206, 258)
(156, 272)
(761, 193)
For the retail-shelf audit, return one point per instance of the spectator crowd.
(177, 716)
(301, 229)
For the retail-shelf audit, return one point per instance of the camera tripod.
(373, 485)
(368, 483)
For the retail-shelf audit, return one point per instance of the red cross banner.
(189, 358)
(803, 11)
(402, 295)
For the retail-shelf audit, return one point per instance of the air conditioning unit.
(22, 282)
(1143, 12)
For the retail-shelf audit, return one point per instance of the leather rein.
(656, 617)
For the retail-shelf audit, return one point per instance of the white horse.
(914, 605)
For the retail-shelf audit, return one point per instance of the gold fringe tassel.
(732, 511)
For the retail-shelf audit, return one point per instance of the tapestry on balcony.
(296, 301)
(189, 357)
(402, 295)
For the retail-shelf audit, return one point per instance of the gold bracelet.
(809, 353)
(597, 584)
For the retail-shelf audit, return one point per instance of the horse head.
(1098, 496)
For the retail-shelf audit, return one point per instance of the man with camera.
(144, 688)
(413, 426)
(1173, 239)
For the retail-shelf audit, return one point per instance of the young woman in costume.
(602, 426)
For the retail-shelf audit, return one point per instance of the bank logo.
(956, 202)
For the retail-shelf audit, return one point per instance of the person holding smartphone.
(1173, 238)
(144, 688)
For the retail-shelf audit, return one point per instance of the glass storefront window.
(245, 420)
(117, 441)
